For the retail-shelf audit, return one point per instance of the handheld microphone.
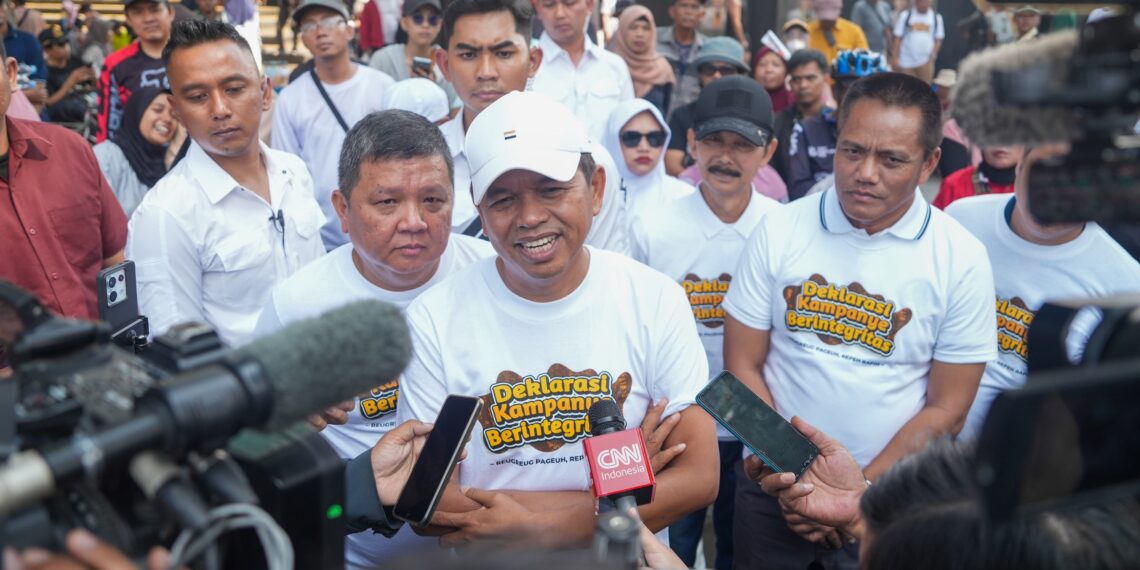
(985, 98)
(272, 382)
(618, 459)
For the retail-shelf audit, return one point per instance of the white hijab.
(642, 193)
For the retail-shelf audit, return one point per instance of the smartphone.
(437, 460)
(757, 425)
(423, 64)
(116, 292)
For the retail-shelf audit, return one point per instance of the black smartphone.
(116, 292)
(757, 425)
(437, 460)
(423, 64)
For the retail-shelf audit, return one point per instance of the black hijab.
(146, 158)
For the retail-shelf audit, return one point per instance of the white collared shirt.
(208, 250)
(857, 319)
(591, 89)
(463, 212)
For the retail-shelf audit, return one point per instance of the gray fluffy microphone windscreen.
(987, 122)
(319, 362)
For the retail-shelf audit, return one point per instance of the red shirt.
(961, 185)
(58, 218)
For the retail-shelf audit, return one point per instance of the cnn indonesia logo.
(617, 457)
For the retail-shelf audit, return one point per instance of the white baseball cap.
(420, 96)
(523, 131)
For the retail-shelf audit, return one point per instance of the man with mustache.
(234, 217)
(863, 310)
(487, 54)
(697, 240)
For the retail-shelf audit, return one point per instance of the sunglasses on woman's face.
(419, 18)
(630, 139)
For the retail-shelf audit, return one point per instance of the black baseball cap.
(129, 2)
(736, 104)
(413, 6)
(53, 35)
(306, 5)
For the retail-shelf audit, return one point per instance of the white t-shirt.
(687, 242)
(304, 125)
(625, 333)
(918, 36)
(591, 89)
(1028, 274)
(856, 319)
(331, 282)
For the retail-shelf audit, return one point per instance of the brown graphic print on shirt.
(844, 314)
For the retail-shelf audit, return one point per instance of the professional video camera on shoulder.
(134, 447)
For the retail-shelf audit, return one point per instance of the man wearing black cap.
(136, 66)
(316, 110)
(697, 240)
(69, 80)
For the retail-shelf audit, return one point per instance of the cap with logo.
(724, 50)
(306, 5)
(413, 6)
(523, 131)
(53, 35)
(736, 104)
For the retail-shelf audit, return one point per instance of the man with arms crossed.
(232, 219)
(863, 310)
(551, 320)
(487, 55)
(395, 206)
(697, 240)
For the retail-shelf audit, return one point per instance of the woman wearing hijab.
(636, 43)
(771, 71)
(135, 156)
(637, 136)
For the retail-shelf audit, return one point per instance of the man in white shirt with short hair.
(1034, 262)
(918, 34)
(395, 205)
(697, 240)
(864, 310)
(587, 79)
(486, 55)
(232, 219)
(542, 332)
(307, 124)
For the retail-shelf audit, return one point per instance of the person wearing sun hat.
(1026, 19)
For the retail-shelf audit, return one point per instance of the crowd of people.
(567, 216)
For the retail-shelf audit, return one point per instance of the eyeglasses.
(330, 23)
(630, 139)
(419, 19)
(712, 69)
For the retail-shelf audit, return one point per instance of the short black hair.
(587, 165)
(519, 10)
(189, 33)
(807, 55)
(389, 135)
(900, 91)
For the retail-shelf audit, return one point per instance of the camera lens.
(111, 281)
(113, 296)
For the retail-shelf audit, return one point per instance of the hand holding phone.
(422, 67)
(443, 448)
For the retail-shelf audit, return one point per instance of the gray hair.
(389, 135)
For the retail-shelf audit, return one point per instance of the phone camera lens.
(113, 296)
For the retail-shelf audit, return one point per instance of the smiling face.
(537, 226)
(879, 161)
(157, 125)
(325, 33)
(218, 96)
(399, 219)
(487, 58)
(150, 21)
(643, 157)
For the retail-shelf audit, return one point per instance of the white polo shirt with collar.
(687, 242)
(208, 250)
(590, 89)
(856, 319)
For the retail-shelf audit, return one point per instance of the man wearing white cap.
(1026, 19)
(552, 320)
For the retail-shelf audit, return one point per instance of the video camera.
(74, 384)
(1076, 86)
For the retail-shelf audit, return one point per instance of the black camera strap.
(328, 100)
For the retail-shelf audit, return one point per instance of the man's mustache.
(724, 170)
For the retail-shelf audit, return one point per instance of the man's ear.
(691, 141)
(598, 188)
(340, 204)
(11, 69)
(440, 57)
(535, 60)
(266, 94)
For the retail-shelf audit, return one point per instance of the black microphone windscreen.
(988, 122)
(605, 417)
(319, 362)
